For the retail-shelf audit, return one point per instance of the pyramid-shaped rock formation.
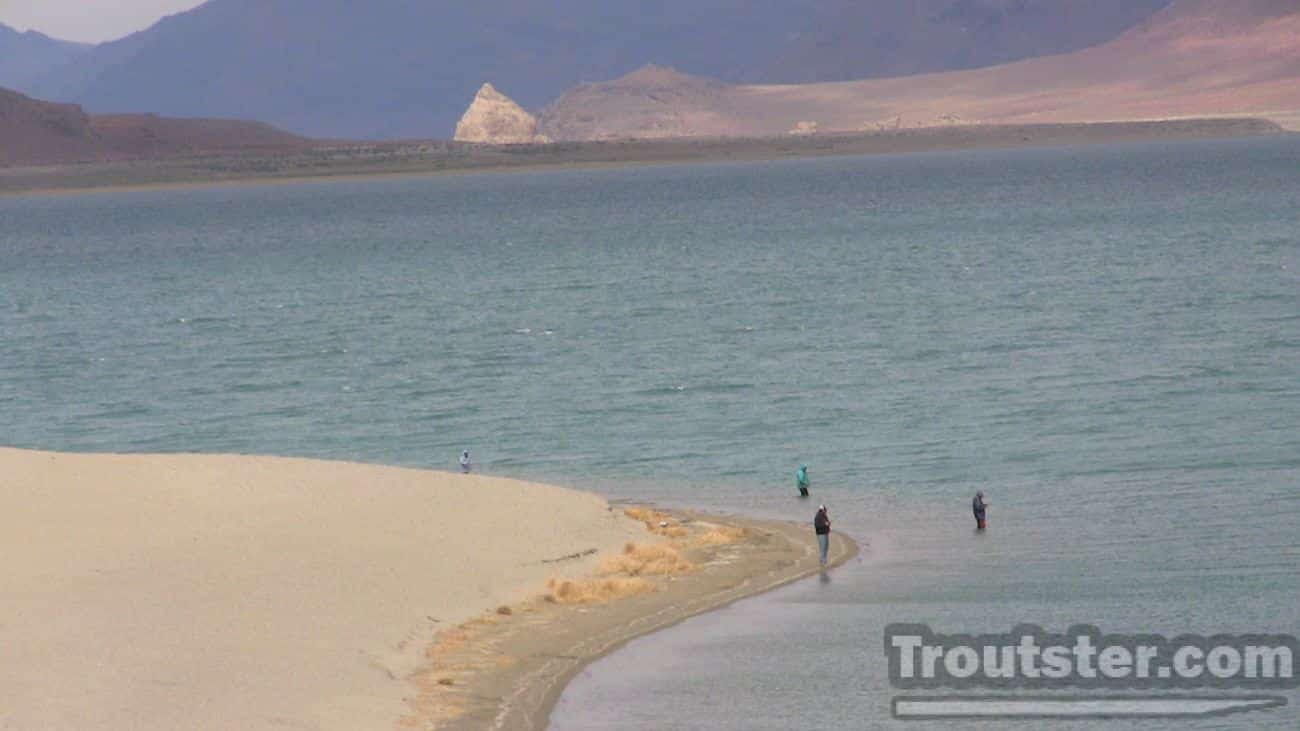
(496, 119)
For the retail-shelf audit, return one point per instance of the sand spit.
(219, 592)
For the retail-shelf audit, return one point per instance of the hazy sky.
(88, 20)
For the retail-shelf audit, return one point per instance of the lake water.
(1104, 339)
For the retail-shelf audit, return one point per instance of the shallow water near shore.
(1104, 339)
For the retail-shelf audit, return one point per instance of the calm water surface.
(1105, 339)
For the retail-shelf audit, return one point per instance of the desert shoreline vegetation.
(342, 160)
(506, 668)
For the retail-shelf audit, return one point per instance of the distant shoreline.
(342, 161)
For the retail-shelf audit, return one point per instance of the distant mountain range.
(1194, 58)
(26, 57)
(406, 68)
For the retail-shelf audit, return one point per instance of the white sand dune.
(222, 592)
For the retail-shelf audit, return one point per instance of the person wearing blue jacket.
(801, 480)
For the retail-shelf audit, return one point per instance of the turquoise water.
(1104, 339)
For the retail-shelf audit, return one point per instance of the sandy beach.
(237, 592)
(196, 591)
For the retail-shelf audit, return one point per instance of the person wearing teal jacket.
(801, 480)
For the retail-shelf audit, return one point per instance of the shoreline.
(528, 657)
(242, 591)
(385, 160)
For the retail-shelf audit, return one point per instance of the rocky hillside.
(34, 132)
(399, 68)
(651, 102)
(1194, 58)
